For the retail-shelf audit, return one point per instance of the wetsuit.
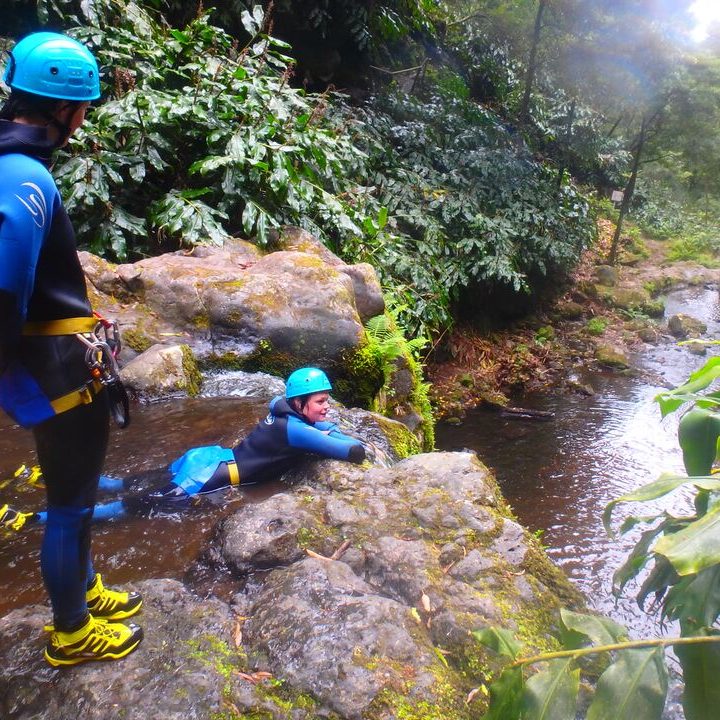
(273, 447)
(41, 280)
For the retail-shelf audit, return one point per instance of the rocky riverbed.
(355, 593)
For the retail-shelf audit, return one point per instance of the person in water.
(294, 427)
(45, 381)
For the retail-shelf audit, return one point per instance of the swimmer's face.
(316, 407)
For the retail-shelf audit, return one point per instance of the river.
(558, 475)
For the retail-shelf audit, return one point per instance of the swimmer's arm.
(332, 444)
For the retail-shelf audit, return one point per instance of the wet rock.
(368, 293)
(682, 326)
(570, 310)
(307, 303)
(404, 562)
(606, 275)
(611, 356)
(511, 543)
(345, 644)
(163, 370)
(265, 535)
(183, 669)
(697, 348)
(574, 382)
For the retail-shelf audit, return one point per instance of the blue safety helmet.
(55, 66)
(306, 381)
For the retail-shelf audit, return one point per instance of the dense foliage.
(201, 138)
(455, 179)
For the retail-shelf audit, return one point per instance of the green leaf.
(551, 694)
(506, 696)
(701, 671)
(500, 640)
(632, 688)
(695, 600)
(699, 380)
(694, 548)
(600, 630)
(249, 216)
(382, 217)
(698, 434)
(666, 483)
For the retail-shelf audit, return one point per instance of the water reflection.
(559, 475)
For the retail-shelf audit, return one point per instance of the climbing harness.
(101, 359)
(101, 339)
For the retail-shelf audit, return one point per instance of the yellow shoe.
(14, 519)
(110, 604)
(97, 639)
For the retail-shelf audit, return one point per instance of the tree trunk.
(628, 193)
(532, 62)
(566, 145)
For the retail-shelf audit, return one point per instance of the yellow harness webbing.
(234, 473)
(66, 326)
(75, 398)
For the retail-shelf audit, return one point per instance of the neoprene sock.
(65, 562)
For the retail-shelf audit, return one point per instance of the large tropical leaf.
(552, 693)
(632, 688)
(701, 673)
(637, 559)
(695, 600)
(500, 640)
(699, 380)
(665, 484)
(698, 434)
(506, 696)
(600, 630)
(694, 548)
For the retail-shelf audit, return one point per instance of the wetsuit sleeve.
(333, 445)
(27, 202)
(326, 426)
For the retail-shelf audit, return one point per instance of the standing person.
(46, 382)
(295, 427)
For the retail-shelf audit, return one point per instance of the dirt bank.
(602, 317)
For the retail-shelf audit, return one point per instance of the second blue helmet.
(306, 381)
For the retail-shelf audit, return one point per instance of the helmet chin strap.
(63, 129)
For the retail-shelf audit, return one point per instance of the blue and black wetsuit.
(41, 280)
(274, 446)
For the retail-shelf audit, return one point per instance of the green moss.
(280, 694)
(358, 376)
(136, 339)
(658, 285)
(201, 322)
(193, 378)
(401, 440)
(215, 653)
(263, 358)
(449, 704)
(537, 564)
(597, 325)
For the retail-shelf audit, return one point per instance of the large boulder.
(356, 591)
(303, 300)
